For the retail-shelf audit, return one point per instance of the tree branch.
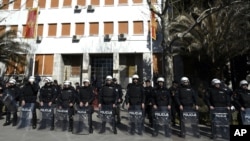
(152, 8)
(207, 13)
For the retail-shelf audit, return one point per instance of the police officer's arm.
(207, 98)
(120, 92)
(177, 99)
(236, 100)
(92, 95)
(127, 94)
(228, 100)
(153, 100)
(169, 98)
(100, 96)
(143, 97)
(194, 97)
(40, 97)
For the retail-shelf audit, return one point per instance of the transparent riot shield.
(106, 114)
(245, 115)
(135, 114)
(61, 119)
(81, 121)
(162, 120)
(25, 115)
(189, 122)
(220, 122)
(47, 113)
(9, 102)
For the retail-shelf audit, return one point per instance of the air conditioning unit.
(90, 8)
(122, 36)
(107, 37)
(76, 38)
(38, 39)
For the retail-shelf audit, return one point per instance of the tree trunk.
(168, 57)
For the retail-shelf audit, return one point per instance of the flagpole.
(151, 51)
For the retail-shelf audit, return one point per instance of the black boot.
(70, 124)
(114, 127)
(52, 127)
(14, 121)
(34, 121)
(7, 122)
(155, 132)
(103, 128)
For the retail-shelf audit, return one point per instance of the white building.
(82, 37)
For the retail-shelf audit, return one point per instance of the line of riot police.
(159, 104)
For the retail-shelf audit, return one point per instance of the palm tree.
(12, 51)
(214, 35)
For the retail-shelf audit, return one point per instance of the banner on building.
(153, 26)
(30, 29)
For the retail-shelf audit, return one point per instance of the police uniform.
(65, 98)
(86, 95)
(48, 93)
(108, 96)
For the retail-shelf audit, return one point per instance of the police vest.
(186, 96)
(47, 93)
(218, 97)
(67, 95)
(162, 97)
(245, 98)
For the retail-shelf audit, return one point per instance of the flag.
(30, 29)
(153, 26)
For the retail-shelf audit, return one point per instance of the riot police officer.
(108, 96)
(161, 97)
(148, 91)
(216, 96)
(14, 91)
(29, 95)
(118, 90)
(174, 106)
(66, 100)
(242, 98)
(85, 99)
(47, 96)
(185, 97)
(135, 97)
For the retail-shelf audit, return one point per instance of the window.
(109, 2)
(65, 29)
(52, 30)
(81, 2)
(42, 3)
(44, 64)
(123, 27)
(5, 2)
(24, 27)
(29, 4)
(2, 29)
(108, 27)
(123, 1)
(15, 67)
(14, 27)
(17, 4)
(137, 1)
(67, 2)
(40, 30)
(54, 3)
(95, 2)
(79, 29)
(138, 27)
(94, 28)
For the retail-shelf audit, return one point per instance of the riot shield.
(106, 113)
(135, 114)
(9, 102)
(25, 115)
(47, 113)
(81, 121)
(189, 122)
(245, 115)
(61, 119)
(162, 120)
(220, 122)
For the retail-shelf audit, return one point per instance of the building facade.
(79, 39)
